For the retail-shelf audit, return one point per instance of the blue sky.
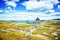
(29, 9)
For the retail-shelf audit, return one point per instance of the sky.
(29, 9)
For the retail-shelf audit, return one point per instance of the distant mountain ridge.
(56, 19)
(26, 21)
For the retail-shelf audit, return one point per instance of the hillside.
(49, 30)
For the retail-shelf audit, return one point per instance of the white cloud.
(41, 5)
(33, 0)
(1, 10)
(28, 16)
(52, 11)
(9, 7)
(51, 1)
(58, 6)
(15, 0)
(11, 3)
(31, 5)
(48, 1)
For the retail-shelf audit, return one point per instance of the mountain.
(26, 21)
